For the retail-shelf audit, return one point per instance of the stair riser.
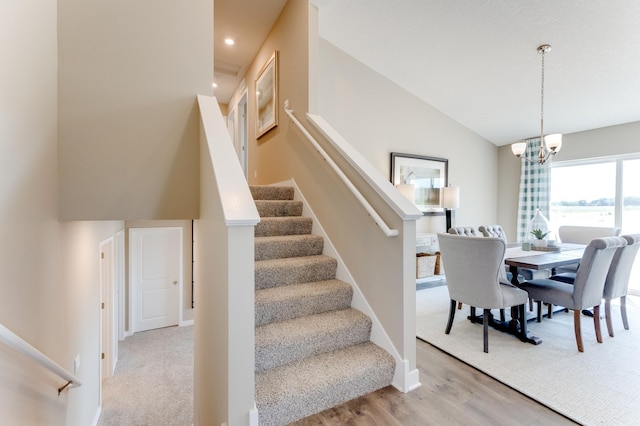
(271, 192)
(290, 226)
(294, 248)
(294, 308)
(289, 350)
(276, 276)
(279, 208)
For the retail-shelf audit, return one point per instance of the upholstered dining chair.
(462, 230)
(473, 267)
(617, 283)
(582, 235)
(587, 289)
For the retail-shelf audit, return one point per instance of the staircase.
(312, 349)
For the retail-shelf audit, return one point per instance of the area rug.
(600, 386)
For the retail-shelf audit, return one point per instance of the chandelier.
(550, 144)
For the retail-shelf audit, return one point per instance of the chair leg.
(472, 311)
(550, 310)
(576, 327)
(607, 316)
(539, 302)
(596, 323)
(530, 305)
(452, 312)
(485, 329)
(502, 317)
(623, 310)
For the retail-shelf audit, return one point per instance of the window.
(598, 192)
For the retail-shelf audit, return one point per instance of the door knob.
(175, 282)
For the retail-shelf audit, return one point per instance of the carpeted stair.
(312, 349)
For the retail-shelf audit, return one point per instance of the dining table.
(519, 256)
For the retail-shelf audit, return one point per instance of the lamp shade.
(451, 197)
(518, 148)
(553, 142)
(408, 190)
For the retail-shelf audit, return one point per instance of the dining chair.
(473, 267)
(617, 283)
(523, 274)
(462, 230)
(582, 235)
(587, 289)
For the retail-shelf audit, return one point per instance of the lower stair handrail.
(14, 341)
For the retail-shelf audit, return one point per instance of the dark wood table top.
(568, 254)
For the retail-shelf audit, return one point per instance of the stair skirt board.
(405, 379)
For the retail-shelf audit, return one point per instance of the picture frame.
(267, 96)
(421, 179)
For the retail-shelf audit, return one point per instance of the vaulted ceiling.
(476, 61)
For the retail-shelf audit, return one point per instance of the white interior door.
(156, 277)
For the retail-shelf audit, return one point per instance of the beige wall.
(128, 127)
(603, 142)
(80, 286)
(378, 117)
(30, 293)
(289, 37)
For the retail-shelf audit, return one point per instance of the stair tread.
(290, 261)
(293, 391)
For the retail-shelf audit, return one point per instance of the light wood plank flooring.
(452, 393)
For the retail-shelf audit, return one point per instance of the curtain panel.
(535, 187)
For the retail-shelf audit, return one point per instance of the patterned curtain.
(535, 186)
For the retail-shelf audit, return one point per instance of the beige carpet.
(153, 382)
(600, 386)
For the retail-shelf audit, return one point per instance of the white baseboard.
(96, 418)
(406, 380)
(253, 416)
(185, 323)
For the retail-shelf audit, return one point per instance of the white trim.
(403, 380)
(253, 416)
(121, 250)
(96, 417)
(185, 323)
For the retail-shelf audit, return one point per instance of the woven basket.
(425, 265)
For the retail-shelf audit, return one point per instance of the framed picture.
(420, 179)
(267, 96)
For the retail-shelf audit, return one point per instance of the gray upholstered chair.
(587, 289)
(617, 282)
(525, 274)
(582, 235)
(473, 266)
(493, 231)
(462, 230)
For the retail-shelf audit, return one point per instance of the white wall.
(128, 79)
(378, 117)
(602, 142)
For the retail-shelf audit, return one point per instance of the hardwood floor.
(452, 393)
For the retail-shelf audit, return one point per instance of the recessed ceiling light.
(229, 41)
(214, 85)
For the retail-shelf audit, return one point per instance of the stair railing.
(14, 341)
(374, 215)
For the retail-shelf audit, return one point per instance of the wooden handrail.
(14, 341)
(374, 215)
